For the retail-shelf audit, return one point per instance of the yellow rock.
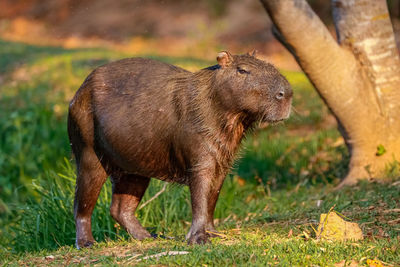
(333, 227)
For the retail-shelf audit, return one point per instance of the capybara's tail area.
(80, 122)
(91, 174)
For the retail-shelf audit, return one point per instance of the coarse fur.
(139, 118)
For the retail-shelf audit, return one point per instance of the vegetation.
(357, 74)
(266, 210)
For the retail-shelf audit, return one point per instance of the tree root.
(356, 174)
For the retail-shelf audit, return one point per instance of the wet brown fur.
(139, 118)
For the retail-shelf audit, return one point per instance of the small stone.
(334, 227)
(49, 257)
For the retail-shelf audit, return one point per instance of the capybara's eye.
(242, 71)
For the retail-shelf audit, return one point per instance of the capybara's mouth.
(275, 119)
(271, 119)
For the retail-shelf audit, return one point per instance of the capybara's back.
(139, 118)
(131, 106)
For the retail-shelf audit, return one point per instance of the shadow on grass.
(13, 54)
(278, 160)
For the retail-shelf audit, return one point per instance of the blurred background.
(169, 27)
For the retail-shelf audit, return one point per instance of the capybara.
(136, 119)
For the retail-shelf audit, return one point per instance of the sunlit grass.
(282, 173)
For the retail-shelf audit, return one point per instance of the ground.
(268, 207)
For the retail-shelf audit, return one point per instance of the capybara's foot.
(132, 226)
(197, 237)
(83, 243)
(139, 233)
(84, 237)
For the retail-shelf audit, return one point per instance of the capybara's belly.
(144, 147)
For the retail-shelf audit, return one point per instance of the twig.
(132, 258)
(315, 231)
(154, 197)
(391, 211)
(342, 215)
(165, 253)
(217, 234)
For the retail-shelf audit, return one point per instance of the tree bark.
(358, 78)
(368, 33)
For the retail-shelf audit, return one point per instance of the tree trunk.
(358, 78)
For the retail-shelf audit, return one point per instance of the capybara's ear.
(253, 53)
(224, 59)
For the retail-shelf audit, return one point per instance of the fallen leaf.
(241, 181)
(370, 248)
(382, 233)
(395, 221)
(290, 233)
(375, 263)
(391, 211)
(380, 150)
(76, 261)
(333, 227)
(306, 236)
(249, 198)
(396, 183)
(338, 142)
(345, 263)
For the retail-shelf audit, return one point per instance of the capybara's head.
(246, 84)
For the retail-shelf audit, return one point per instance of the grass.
(284, 171)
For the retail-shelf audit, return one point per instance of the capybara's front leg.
(90, 179)
(200, 186)
(128, 190)
(212, 201)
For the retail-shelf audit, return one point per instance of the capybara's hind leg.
(128, 190)
(91, 177)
